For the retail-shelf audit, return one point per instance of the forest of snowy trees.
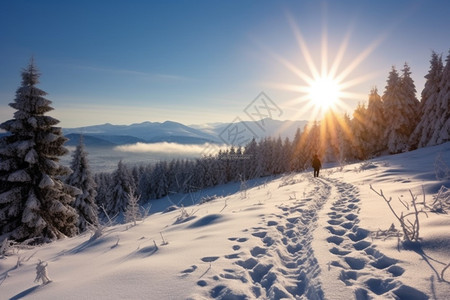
(41, 200)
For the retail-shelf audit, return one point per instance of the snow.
(291, 236)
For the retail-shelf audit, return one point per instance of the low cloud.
(171, 148)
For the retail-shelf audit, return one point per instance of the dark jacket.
(316, 163)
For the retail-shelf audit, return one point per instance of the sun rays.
(327, 84)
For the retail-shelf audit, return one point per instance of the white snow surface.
(292, 236)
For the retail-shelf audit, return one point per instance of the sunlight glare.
(324, 92)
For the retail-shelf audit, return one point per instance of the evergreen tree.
(103, 182)
(34, 202)
(400, 107)
(121, 186)
(82, 179)
(442, 128)
(375, 123)
(429, 105)
(359, 130)
(345, 138)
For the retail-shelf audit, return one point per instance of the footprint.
(335, 221)
(396, 270)
(260, 234)
(360, 235)
(355, 263)
(202, 283)
(232, 256)
(190, 269)
(335, 231)
(407, 292)
(242, 240)
(380, 286)
(293, 220)
(294, 248)
(258, 251)
(337, 264)
(272, 223)
(335, 239)
(384, 262)
(236, 247)
(209, 258)
(234, 277)
(259, 271)
(351, 217)
(290, 233)
(361, 245)
(247, 264)
(268, 241)
(361, 294)
(346, 276)
(337, 251)
(347, 225)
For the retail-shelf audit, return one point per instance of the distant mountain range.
(109, 135)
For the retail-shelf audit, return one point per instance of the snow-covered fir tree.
(159, 179)
(345, 138)
(34, 202)
(82, 178)
(121, 186)
(429, 105)
(359, 130)
(400, 109)
(375, 123)
(441, 132)
(103, 182)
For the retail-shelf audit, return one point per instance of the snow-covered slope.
(294, 237)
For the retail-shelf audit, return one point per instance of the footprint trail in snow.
(282, 265)
(275, 260)
(365, 269)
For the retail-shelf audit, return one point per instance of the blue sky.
(196, 62)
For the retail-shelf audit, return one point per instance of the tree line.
(41, 200)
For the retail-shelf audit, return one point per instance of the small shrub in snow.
(409, 221)
(288, 180)
(164, 242)
(184, 215)
(170, 208)
(243, 188)
(132, 211)
(441, 202)
(441, 169)
(367, 165)
(6, 248)
(208, 199)
(42, 273)
(386, 234)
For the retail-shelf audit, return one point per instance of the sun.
(323, 85)
(324, 92)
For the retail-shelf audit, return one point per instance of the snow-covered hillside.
(292, 236)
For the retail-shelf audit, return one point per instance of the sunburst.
(322, 88)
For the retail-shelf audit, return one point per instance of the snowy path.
(276, 259)
(362, 267)
(282, 265)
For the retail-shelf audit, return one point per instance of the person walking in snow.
(316, 164)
